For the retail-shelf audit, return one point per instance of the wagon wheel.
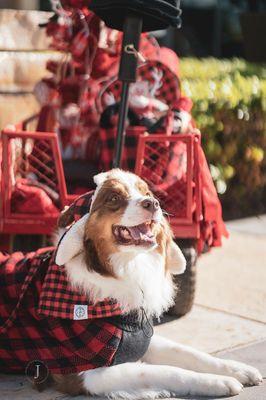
(27, 243)
(186, 283)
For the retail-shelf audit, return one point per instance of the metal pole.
(121, 131)
(127, 75)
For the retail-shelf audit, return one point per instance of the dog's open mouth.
(135, 235)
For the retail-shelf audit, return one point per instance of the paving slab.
(252, 225)
(254, 355)
(13, 387)
(232, 278)
(211, 330)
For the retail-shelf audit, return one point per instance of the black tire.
(28, 243)
(186, 283)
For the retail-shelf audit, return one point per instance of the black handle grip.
(129, 60)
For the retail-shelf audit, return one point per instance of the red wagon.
(33, 187)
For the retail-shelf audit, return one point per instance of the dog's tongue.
(137, 231)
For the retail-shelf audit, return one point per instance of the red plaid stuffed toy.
(43, 318)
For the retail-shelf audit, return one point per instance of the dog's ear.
(72, 242)
(65, 218)
(175, 260)
(100, 178)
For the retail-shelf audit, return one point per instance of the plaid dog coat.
(42, 318)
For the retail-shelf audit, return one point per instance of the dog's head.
(124, 218)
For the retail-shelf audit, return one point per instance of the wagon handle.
(127, 74)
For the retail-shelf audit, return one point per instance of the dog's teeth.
(124, 232)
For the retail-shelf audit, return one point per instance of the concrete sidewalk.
(229, 316)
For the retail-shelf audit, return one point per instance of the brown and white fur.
(103, 259)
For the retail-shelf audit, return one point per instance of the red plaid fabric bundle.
(155, 79)
(108, 139)
(43, 318)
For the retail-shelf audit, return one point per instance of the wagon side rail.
(181, 196)
(43, 160)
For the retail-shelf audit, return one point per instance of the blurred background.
(222, 46)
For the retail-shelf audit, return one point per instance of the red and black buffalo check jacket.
(43, 318)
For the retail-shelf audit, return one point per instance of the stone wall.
(24, 51)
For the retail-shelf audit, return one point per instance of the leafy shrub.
(230, 109)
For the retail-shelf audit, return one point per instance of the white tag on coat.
(80, 312)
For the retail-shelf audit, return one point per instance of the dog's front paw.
(228, 386)
(219, 386)
(247, 375)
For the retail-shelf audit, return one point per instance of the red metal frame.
(18, 223)
(13, 222)
(188, 226)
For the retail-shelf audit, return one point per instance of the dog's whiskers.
(167, 213)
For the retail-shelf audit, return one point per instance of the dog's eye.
(114, 198)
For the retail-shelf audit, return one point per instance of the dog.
(114, 264)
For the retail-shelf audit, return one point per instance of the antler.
(109, 98)
(157, 76)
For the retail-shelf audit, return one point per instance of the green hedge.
(230, 109)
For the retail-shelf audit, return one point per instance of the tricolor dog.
(95, 298)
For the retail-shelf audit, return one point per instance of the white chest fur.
(141, 281)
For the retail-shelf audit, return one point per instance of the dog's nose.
(150, 204)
